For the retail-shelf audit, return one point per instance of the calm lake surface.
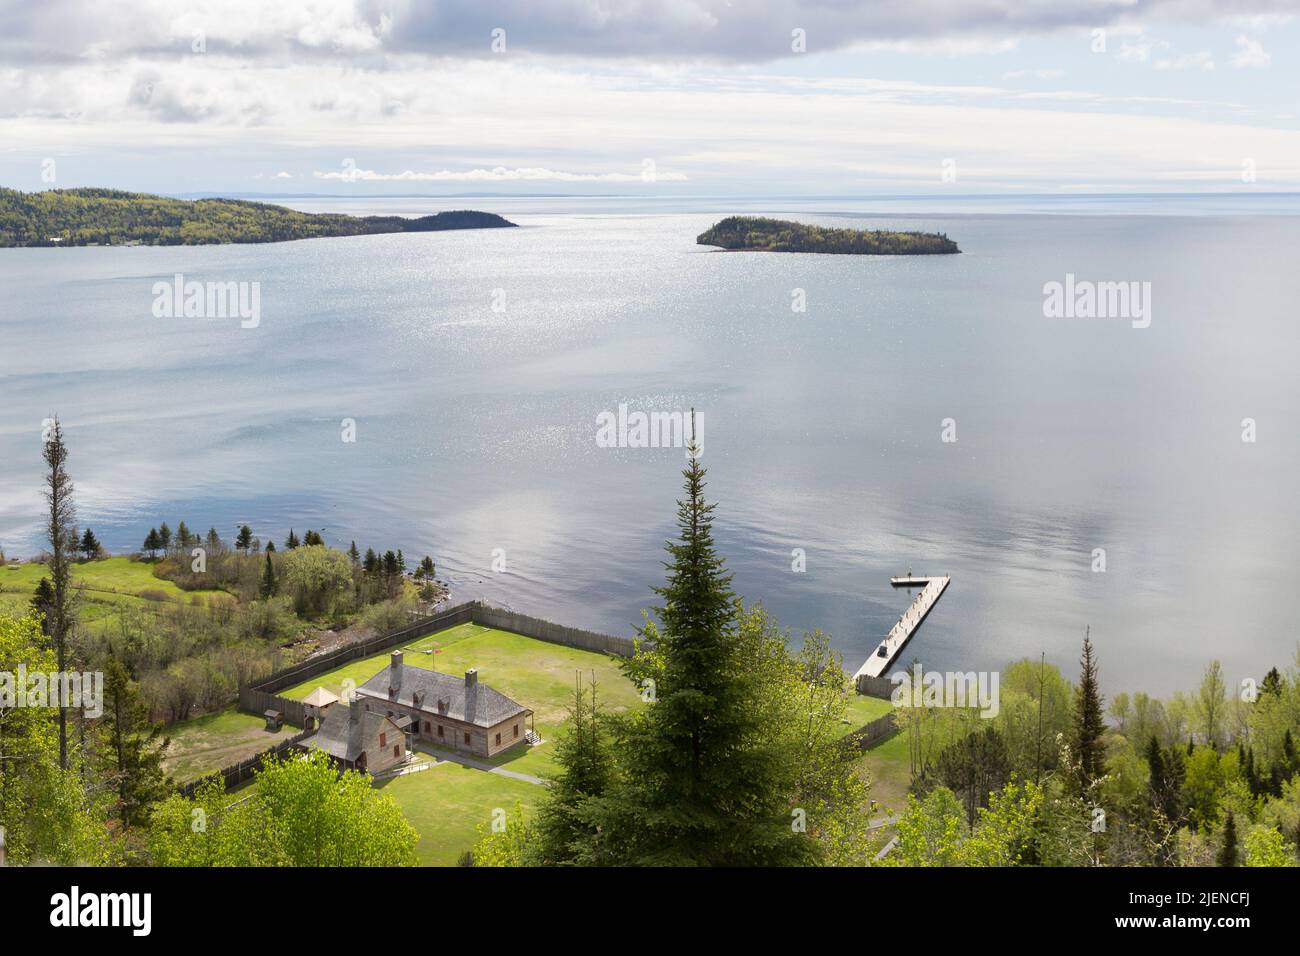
(822, 430)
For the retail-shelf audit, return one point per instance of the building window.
(440, 731)
(427, 725)
(466, 738)
(516, 730)
(383, 740)
(498, 740)
(396, 753)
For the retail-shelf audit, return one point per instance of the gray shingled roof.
(418, 687)
(342, 737)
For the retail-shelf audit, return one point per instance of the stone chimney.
(355, 710)
(394, 673)
(471, 678)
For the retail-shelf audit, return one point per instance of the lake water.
(476, 426)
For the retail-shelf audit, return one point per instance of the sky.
(651, 97)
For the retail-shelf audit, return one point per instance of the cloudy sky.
(653, 97)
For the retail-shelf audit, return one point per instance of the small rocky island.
(753, 234)
(109, 217)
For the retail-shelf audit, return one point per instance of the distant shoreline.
(105, 217)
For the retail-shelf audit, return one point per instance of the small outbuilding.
(274, 719)
(315, 706)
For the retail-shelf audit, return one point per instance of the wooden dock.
(887, 651)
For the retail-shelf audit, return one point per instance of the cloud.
(500, 174)
(1250, 53)
(1203, 61)
(665, 30)
(1034, 74)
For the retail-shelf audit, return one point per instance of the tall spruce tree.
(61, 516)
(698, 783)
(1089, 725)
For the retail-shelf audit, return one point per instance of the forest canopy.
(108, 217)
(756, 234)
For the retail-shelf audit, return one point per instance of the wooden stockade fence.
(260, 695)
(871, 733)
(535, 627)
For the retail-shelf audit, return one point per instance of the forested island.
(109, 217)
(756, 234)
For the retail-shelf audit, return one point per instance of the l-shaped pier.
(888, 650)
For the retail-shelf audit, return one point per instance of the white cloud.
(1203, 61)
(1034, 74)
(680, 30)
(498, 174)
(1250, 53)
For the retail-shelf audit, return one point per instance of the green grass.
(535, 673)
(205, 744)
(863, 710)
(104, 588)
(447, 802)
(888, 767)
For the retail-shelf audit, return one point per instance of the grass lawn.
(205, 744)
(862, 710)
(889, 770)
(104, 587)
(447, 802)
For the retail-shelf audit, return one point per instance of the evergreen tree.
(371, 564)
(184, 537)
(401, 562)
(152, 542)
(974, 767)
(390, 564)
(89, 544)
(214, 541)
(698, 782)
(1272, 683)
(564, 829)
(354, 555)
(42, 603)
(270, 547)
(312, 538)
(132, 748)
(291, 542)
(1089, 725)
(1288, 753)
(164, 536)
(61, 517)
(269, 587)
(427, 569)
(1228, 851)
(244, 540)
